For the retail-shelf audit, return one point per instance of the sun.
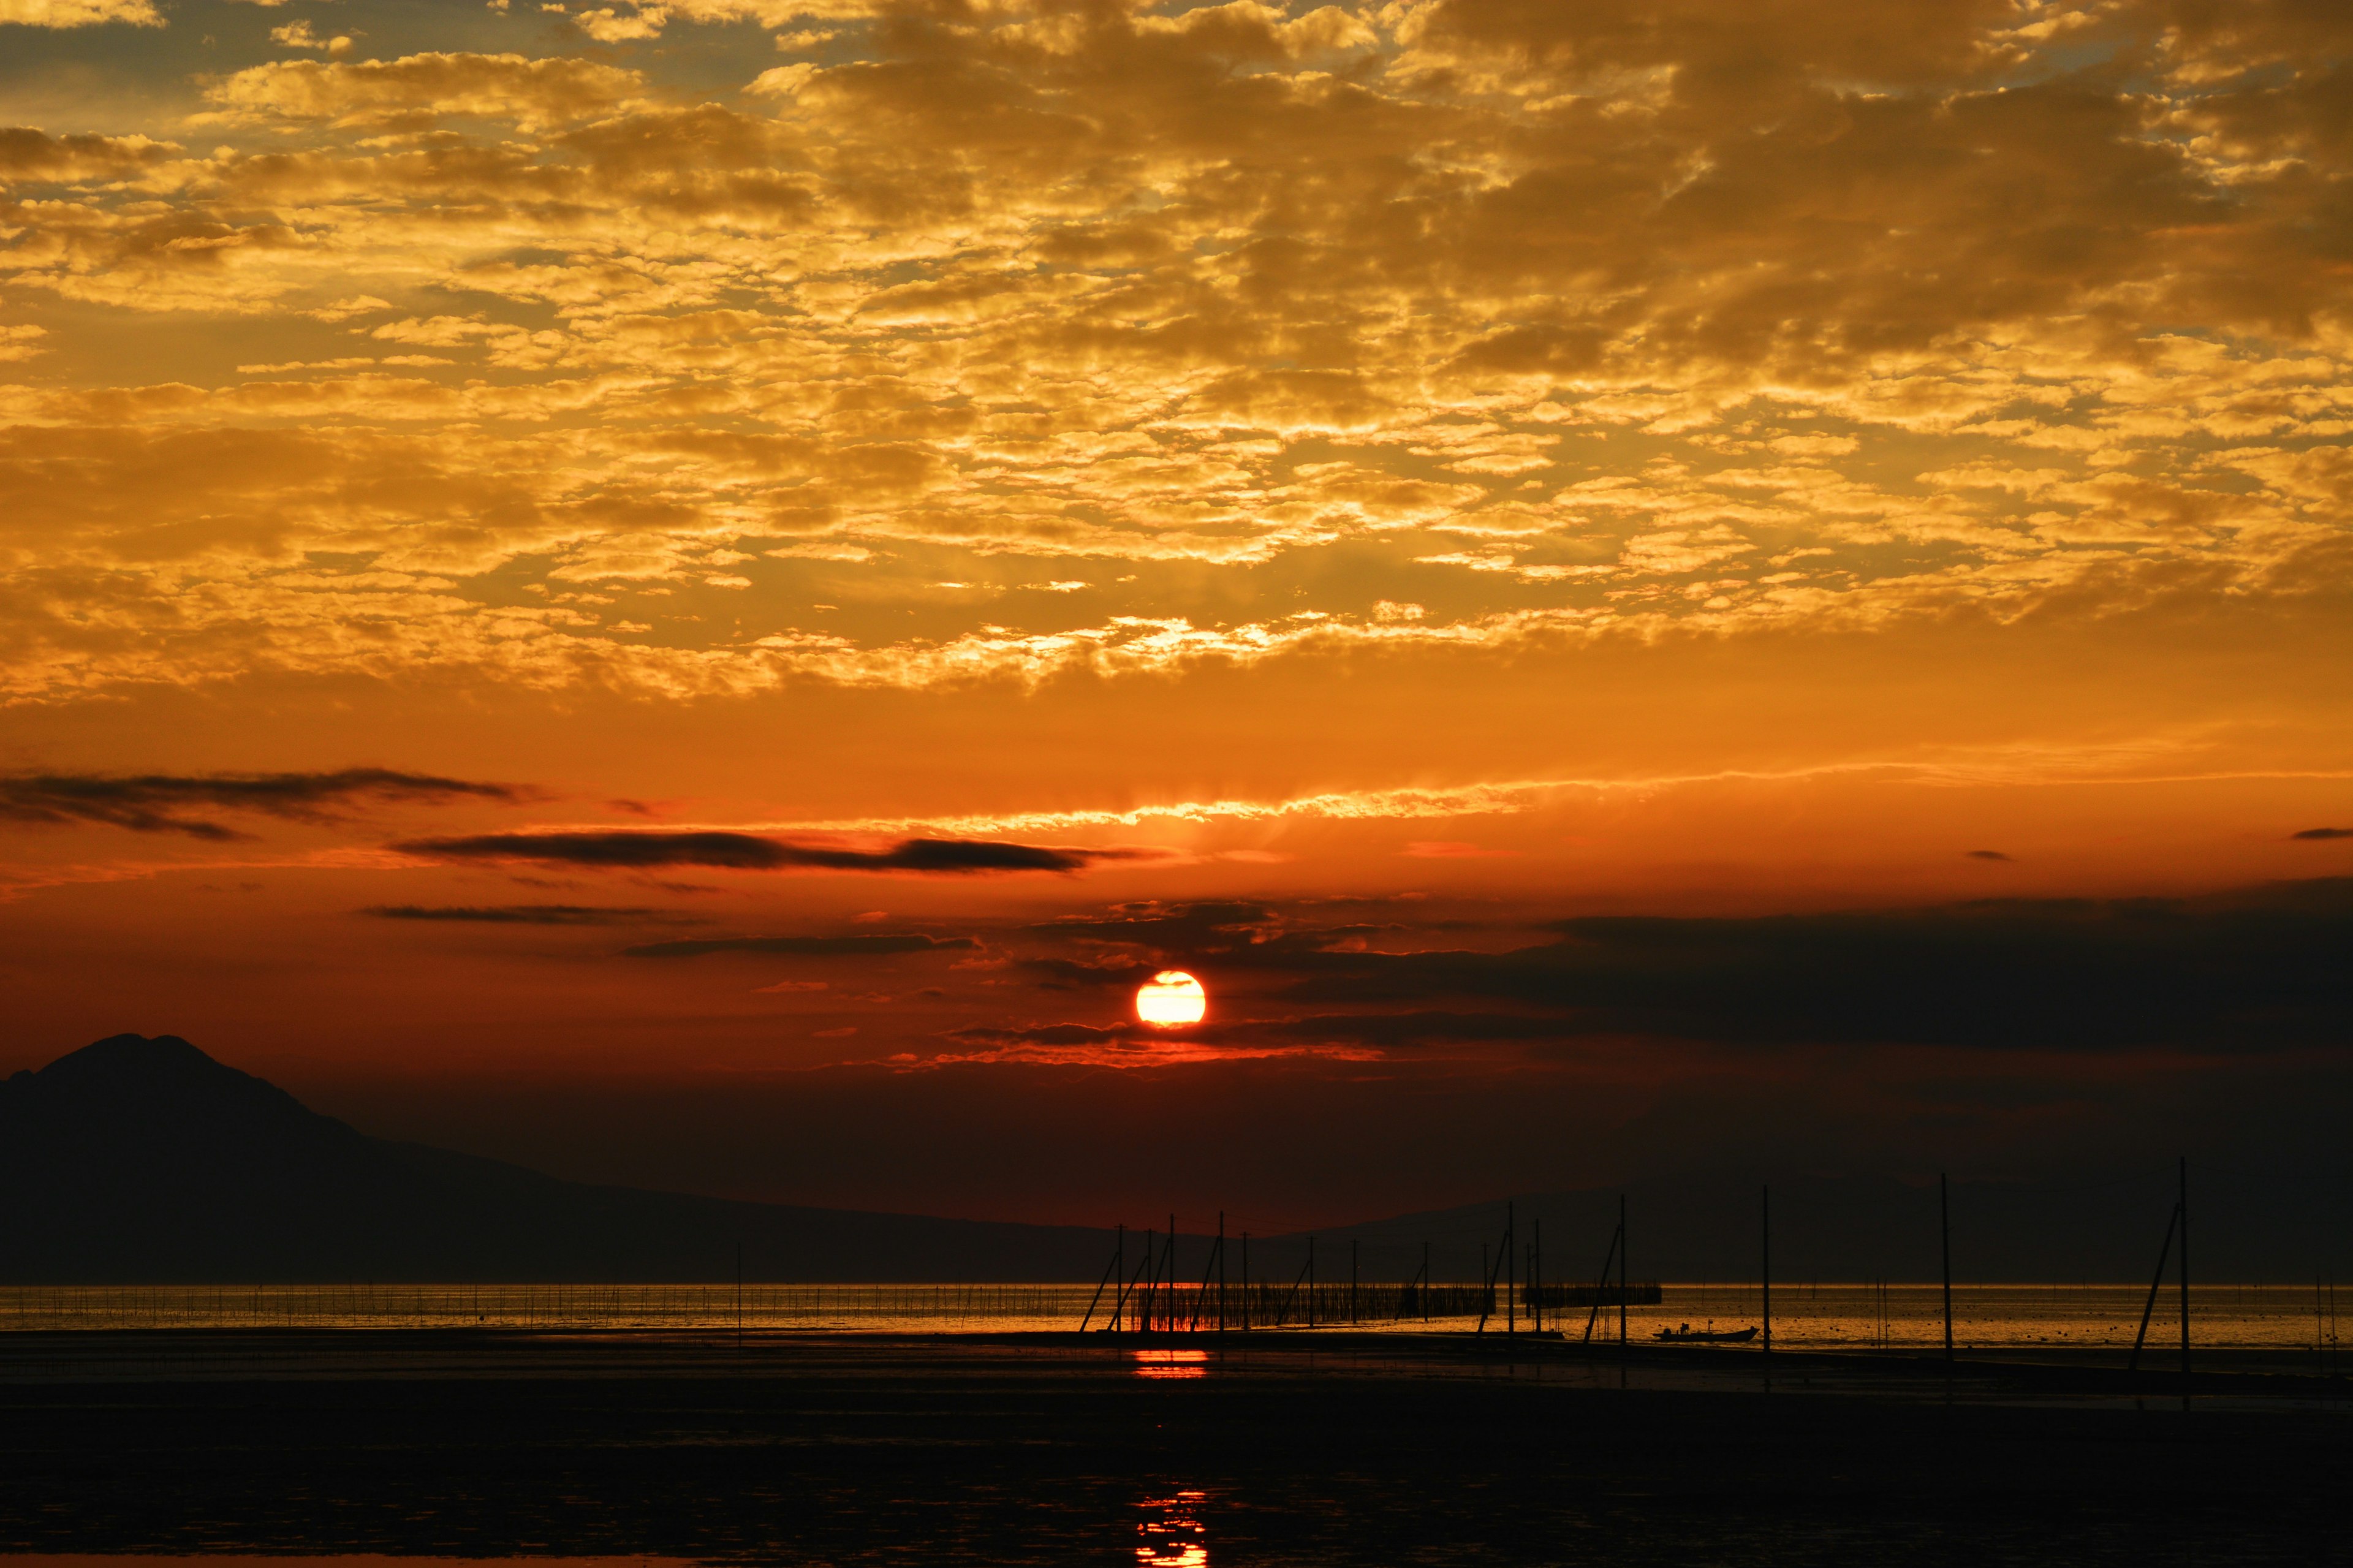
(1170, 999)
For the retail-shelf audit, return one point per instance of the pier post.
(1945, 1237)
(2183, 1200)
(1511, 1276)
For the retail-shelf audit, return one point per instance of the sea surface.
(568, 1447)
(2010, 1318)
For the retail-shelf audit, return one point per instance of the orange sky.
(1404, 475)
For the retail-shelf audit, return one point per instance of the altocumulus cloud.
(534, 914)
(158, 803)
(753, 852)
(2258, 970)
(2261, 969)
(806, 946)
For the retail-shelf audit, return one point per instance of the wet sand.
(1325, 1448)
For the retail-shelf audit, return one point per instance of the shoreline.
(2243, 1377)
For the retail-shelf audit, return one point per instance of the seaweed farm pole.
(2184, 1201)
(1765, 1277)
(1536, 1277)
(1221, 1272)
(738, 1295)
(1622, 1250)
(1310, 1281)
(1172, 1274)
(1352, 1281)
(1944, 1236)
(1425, 1282)
(1511, 1275)
(1245, 1311)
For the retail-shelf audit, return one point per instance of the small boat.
(1688, 1335)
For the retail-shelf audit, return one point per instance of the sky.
(694, 593)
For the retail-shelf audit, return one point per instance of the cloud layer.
(953, 348)
(2255, 970)
(638, 850)
(158, 803)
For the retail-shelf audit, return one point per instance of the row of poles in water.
(1151, 1294)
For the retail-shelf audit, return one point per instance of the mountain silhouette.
(139, 1160)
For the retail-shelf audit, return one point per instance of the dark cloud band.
(806, 946)
(534, 914)
(2261, 969)
(157, 802)
(752, 852)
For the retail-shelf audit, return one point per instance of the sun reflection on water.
(1172, 1531)
(1171, 1363)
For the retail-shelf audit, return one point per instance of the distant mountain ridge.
(140, 1160)
(145, 1161)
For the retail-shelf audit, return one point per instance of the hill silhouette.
(139, 1160)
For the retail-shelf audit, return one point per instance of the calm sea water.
(1826, 1316)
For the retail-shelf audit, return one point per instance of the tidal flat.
(1297, 1448)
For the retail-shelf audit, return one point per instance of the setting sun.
(1170, 999)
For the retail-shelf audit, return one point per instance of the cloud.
(751, 852)
(531, 93)
(1452, 849)
(78, 13)
(157, 803)
(2255, 970)
(2324, 833)
(26, 154)
(534, 914)
(2258, 970)
(1984, 855)
(806, 946)
(1569, 324)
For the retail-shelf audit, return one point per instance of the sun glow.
(1171, 999)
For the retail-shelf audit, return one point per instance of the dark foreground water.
(1346, 1449)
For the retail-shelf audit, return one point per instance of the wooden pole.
(1352, 1279)
(1622, 1250)
(1766, 1275)
(1536, 1276)
(738, 1295)
(2156, 1283)
(2184, 1202)
(1310, 1281)
(1945, 1237)
(1245, 1301)
(1601, 1284)
(1221, 1272)
(1096, 1298)
(1425, 1282)
(1511, 1276)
